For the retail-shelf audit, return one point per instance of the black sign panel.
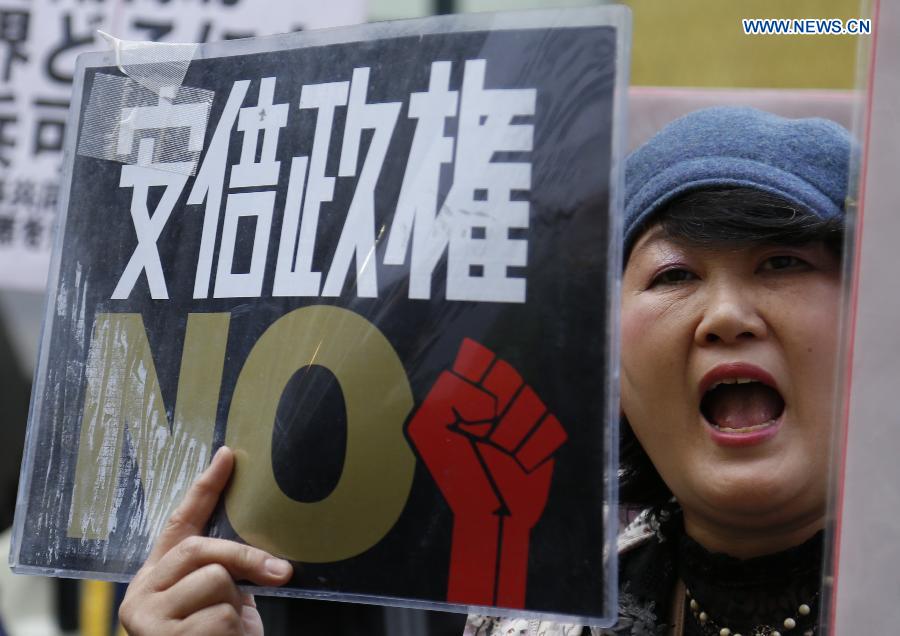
(378, 269)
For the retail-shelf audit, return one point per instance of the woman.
(729, 327)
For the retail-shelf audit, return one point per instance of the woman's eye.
(783, 261)
(672, 277)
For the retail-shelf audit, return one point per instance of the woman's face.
(728, 375)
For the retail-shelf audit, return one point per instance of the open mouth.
(741, 405)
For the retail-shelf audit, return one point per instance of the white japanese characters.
(479, 225)
(475, 219)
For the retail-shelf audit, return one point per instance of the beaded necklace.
(804, 619)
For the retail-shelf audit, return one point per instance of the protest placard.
(381, 264)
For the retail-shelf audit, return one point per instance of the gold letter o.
(378, 465)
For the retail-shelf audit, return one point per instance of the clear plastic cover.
(388, 279)
(862, 591)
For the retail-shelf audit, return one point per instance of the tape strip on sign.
(154, 65)
(147, 118)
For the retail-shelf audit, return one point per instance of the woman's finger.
(242, 562)
(187, 584)
(192, 514)
(253, 624)
(210, 585)
(217, 620)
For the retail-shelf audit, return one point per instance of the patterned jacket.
(634, 619)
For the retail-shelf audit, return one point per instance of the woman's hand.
(187, 585)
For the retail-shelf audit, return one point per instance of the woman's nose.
(730, 316)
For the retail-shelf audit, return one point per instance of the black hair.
(722, 218)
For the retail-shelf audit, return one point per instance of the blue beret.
(805, 161)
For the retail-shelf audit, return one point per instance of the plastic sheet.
(388, 279)
(862, 591)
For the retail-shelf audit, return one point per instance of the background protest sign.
(380, 263)
(39, 41)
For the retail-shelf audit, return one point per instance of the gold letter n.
(123, 394)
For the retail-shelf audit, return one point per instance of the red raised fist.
(487, 440)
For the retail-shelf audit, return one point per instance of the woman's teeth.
(747, 429)
(732, 381)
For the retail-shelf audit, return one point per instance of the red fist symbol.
(487, 440)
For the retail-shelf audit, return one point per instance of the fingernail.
(278, 567)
